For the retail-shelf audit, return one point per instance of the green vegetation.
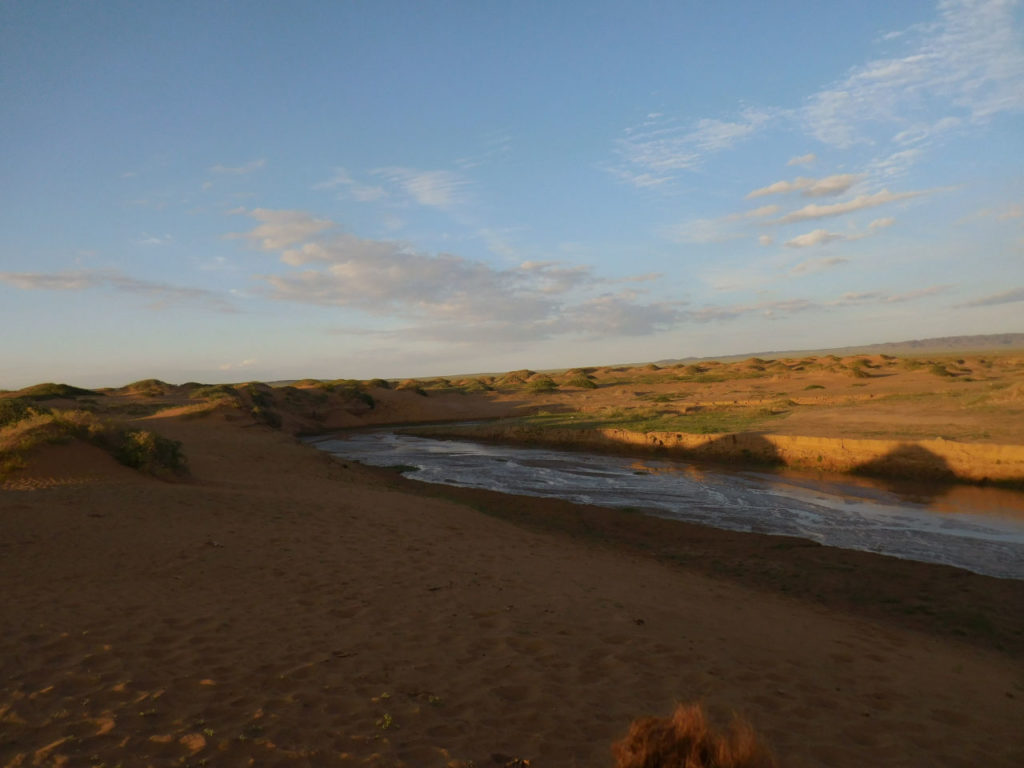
(214, 392)
(51, 391)
(148, 388)
(582, 381)
(139, 449)
(14, 409)
(413, 385)
(540, 384)
(702, 422)
(937, 369)
(814, 386)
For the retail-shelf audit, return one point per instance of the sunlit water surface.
(979, 529)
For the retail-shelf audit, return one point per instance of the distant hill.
(943, 345)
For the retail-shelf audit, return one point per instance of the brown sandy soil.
(279, 608)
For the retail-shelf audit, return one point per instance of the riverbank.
(934, 460)
(282, 607)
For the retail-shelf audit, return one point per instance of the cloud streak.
(240, 170)
(162, 294)
(1006, 297)
(435, 189)
(826, 187)
(861, 202)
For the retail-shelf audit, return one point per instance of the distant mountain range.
(942, 345)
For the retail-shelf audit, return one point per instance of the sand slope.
(283, 609)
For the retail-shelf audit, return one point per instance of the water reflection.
(980, 529)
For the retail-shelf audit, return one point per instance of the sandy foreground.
(280, 608)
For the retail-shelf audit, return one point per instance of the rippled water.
(979, 529)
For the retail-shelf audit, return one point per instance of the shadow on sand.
(748, 447)
(910, 471)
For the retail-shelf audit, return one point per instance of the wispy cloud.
(962, 69)
(341, 179)
(817, 237)
(816, 265)
(240, 170)
(436, 189)
(969, 64)
(162, 294)
(882, 297)
(494, 146)
(807, 159)
(652, 153)
(826, 187)
(717, 230)
(1006, 297)
(784, 307)
(148, 239)
(280, 229)
(859, 203)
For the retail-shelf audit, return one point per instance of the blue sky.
(235, 191)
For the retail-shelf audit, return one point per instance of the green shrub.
(937, 369)
(542, 384)
(14, 409)
(148, 451)
(583, 382)
(214, 392)
(51, 391)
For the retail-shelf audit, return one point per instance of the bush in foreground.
(687, 740)
(140, 449)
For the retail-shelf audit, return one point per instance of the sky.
(232, 191)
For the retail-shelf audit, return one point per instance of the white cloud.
(448, 298)
(826, 187)
(815, 237)
(969, 63)
(281, 229)
(764, 210)
(436, 189)
(240, 170)
(766, 240)
(807, 159)
(655, 151)
(821, 236)
(859, 203)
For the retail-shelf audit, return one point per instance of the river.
(978, 529)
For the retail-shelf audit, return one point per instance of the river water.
(978, 529)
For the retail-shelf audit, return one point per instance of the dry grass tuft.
(687, 740)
